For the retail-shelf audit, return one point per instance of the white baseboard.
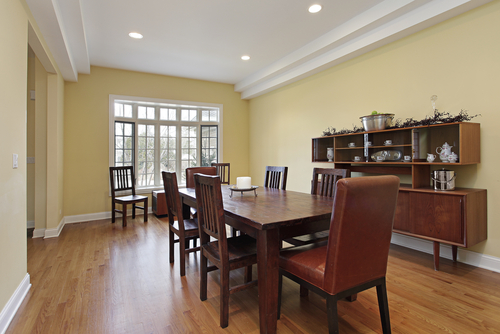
(465, 256)
(95, 216)
(38, 233)
(10, 309)
(30, 224)
(54, 232)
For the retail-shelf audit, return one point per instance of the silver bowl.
(377, 122)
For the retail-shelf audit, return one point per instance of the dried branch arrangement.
(437, 118)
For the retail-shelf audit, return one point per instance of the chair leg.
(280, 287)
(248, 274)
(203, 276)
(133, 210)
(113, 213)
(383, 305)
(124, 214)
(182, 254)
(171, 242)
(224, 296)
(331, 311)
(304, 292)
(146, 210)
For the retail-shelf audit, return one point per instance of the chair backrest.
(360, 231)
(273, 177)
(172, 197)
(223, 170)
(193, 170)
(211, 220)
(122, 178)
(325, 179)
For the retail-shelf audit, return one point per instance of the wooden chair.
(355, 257)
(184, 229)
(223, 170)
(324, 182)
(273, 177)
(123, 179)
(224, 253)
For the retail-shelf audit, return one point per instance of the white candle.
(243, 182)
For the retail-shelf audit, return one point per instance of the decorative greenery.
(437, 118)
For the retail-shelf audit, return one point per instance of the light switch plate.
(14, 160)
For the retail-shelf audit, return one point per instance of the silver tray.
(389, 155)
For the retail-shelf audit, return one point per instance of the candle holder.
(242, 190)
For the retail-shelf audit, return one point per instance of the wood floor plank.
(99, 277)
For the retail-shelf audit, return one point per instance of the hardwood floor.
(99, 277)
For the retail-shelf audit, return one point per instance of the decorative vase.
(329, 154)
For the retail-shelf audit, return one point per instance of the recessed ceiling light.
(245, 57)
(135, 35)
(314, 8)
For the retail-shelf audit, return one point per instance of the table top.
(272, 208)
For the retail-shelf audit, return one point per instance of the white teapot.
(444, 151)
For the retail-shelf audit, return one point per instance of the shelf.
(416, 142)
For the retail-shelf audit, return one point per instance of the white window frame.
(158, 103)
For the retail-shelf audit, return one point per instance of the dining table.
(270, 215)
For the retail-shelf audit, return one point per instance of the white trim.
(55, 232)
(30, 224)
(96, 216)
(465, 256)
(10, 309)
(38, 233)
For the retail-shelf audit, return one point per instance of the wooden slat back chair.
(123, 179)
(184, 229)
(224, 253)
(223, 170)
(355, 257)
(324, 182)
(274, 175)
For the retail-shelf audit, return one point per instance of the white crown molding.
(372, 29)
(10, 309)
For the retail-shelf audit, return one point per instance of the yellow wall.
(86, 126)
(458, 60)
(13, 86)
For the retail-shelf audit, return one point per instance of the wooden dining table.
(270, 217)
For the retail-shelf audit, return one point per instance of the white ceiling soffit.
(384, 23)
(66, 37)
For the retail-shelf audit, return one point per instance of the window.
(160, 135)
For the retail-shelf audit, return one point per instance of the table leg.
(268, 270)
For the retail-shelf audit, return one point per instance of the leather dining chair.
(224, 253)
(193, 170)
(324, 183)
(223, 170)
(273, 177)
(184, 229)
(123, 179)
(355, 256)
(190, 179)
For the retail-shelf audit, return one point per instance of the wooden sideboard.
(458, 217)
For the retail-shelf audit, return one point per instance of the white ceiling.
(204, 39)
